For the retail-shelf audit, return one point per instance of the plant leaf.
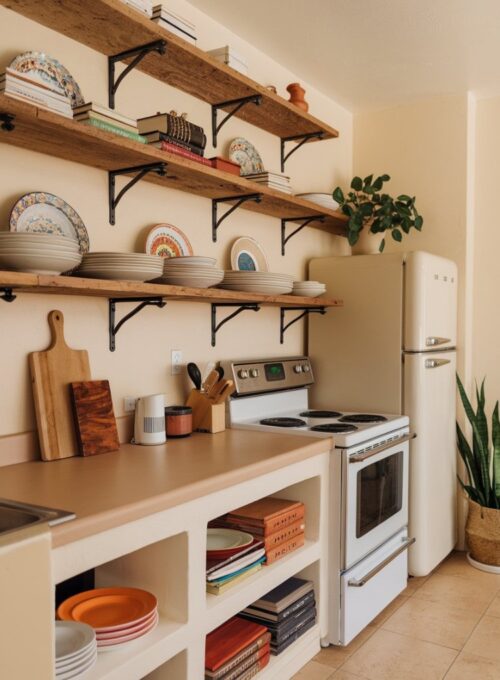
(338, 195)
(495, 426)
(397, 235)
(384, 178)
(405, 198)
(382, 245)
(418, 222)
(357, 183)
(368, 180)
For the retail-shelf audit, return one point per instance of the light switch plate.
(176, 361)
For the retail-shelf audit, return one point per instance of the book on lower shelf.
(223, 572)
(237, 649)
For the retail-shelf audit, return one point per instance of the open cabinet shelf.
(111, 27)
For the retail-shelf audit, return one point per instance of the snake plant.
(482, 461)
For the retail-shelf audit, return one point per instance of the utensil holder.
(207, 416)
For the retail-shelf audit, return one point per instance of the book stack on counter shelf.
(142, 6)
(237, 650)
(35, 91)
(274, 180)
(288, 611)
(277, 522)
(232, 556)
(109, 120)
(228, 56)
(173, 133)
(174, 23)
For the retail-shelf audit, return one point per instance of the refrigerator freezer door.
(356, 349)
(429, 401)
(430, 302)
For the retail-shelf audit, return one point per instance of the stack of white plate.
(120, 266)
(38, 253)
(76, 649)
(324, 200)
(192, 270)
(265, 283)
(308, 288)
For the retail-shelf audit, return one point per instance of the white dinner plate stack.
(265, 283)
(324, 200)
(120, 266)
(194, 271)
(308, 288)
(38, 253)
(76, 649)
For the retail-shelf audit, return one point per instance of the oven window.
(379, 492)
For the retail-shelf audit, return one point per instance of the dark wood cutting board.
(94, 417)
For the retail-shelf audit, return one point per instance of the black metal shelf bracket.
(240, 308)
(142, 170)
(300, 139)
(138, 53)
(238, 104)
(216, 221)
(304, 312)
(7, 122)
(144, 302)
(305, 221)
(7, 295)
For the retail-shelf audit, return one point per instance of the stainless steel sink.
(15, 515)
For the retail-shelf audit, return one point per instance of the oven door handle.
(360, 457)
(358, 583)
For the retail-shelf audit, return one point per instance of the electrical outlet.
(129, 404)
(176, 361)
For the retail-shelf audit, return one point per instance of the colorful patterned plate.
(44, 213)
(244, 153)
(247, 255)
(49, 72)
(166, 240)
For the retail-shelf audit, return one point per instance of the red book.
(172, 148)
(267, 515)
(229, 639)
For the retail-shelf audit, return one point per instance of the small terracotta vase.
(297, 93)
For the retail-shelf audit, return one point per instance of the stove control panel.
(256, 376)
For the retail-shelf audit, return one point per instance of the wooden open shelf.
(52, 134)
(110, 27)
(71, 285)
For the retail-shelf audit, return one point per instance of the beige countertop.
(111, 489)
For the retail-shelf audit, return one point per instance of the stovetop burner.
(363, 418)
(333, 427)
(320, 414)
(283, 422)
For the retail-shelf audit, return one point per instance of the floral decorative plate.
(166, 240)
(39, 212)
(247, 255)
(49, 72)
(246, 155)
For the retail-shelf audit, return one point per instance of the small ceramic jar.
(178, 421)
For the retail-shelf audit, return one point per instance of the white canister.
(150, 420)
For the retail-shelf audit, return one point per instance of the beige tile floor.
(446, 625)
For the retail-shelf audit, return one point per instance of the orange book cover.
(267, 515)
(280, 551)
(223, 643)
(284, 535)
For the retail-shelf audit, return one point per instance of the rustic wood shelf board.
(110, 27)
(49, 133)
(71, 285)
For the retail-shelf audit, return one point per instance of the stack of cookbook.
(238, 649)
(30, 88)
(232, 556)
(174, 23)
(277, 522)
(274, 180)
(288, 611)
(109, 120)
(175, 134)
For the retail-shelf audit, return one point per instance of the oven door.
(376, 496)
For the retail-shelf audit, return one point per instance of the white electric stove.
(368, 484)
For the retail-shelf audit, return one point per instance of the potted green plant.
(372, 212)
(482, 464)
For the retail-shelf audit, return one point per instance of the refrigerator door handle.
(436, 363)
(358, 583)
(360, 457)
(433, 340)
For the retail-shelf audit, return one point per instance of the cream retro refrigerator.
(392, 348)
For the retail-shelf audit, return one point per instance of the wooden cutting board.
(51, 373)
(94, 417)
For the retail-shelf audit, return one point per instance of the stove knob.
(297, 368)
(254, 372)
(306, 368)
(243, 373)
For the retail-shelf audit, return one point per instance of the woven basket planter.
(483, 534)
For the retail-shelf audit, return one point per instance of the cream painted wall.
(141, 363)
